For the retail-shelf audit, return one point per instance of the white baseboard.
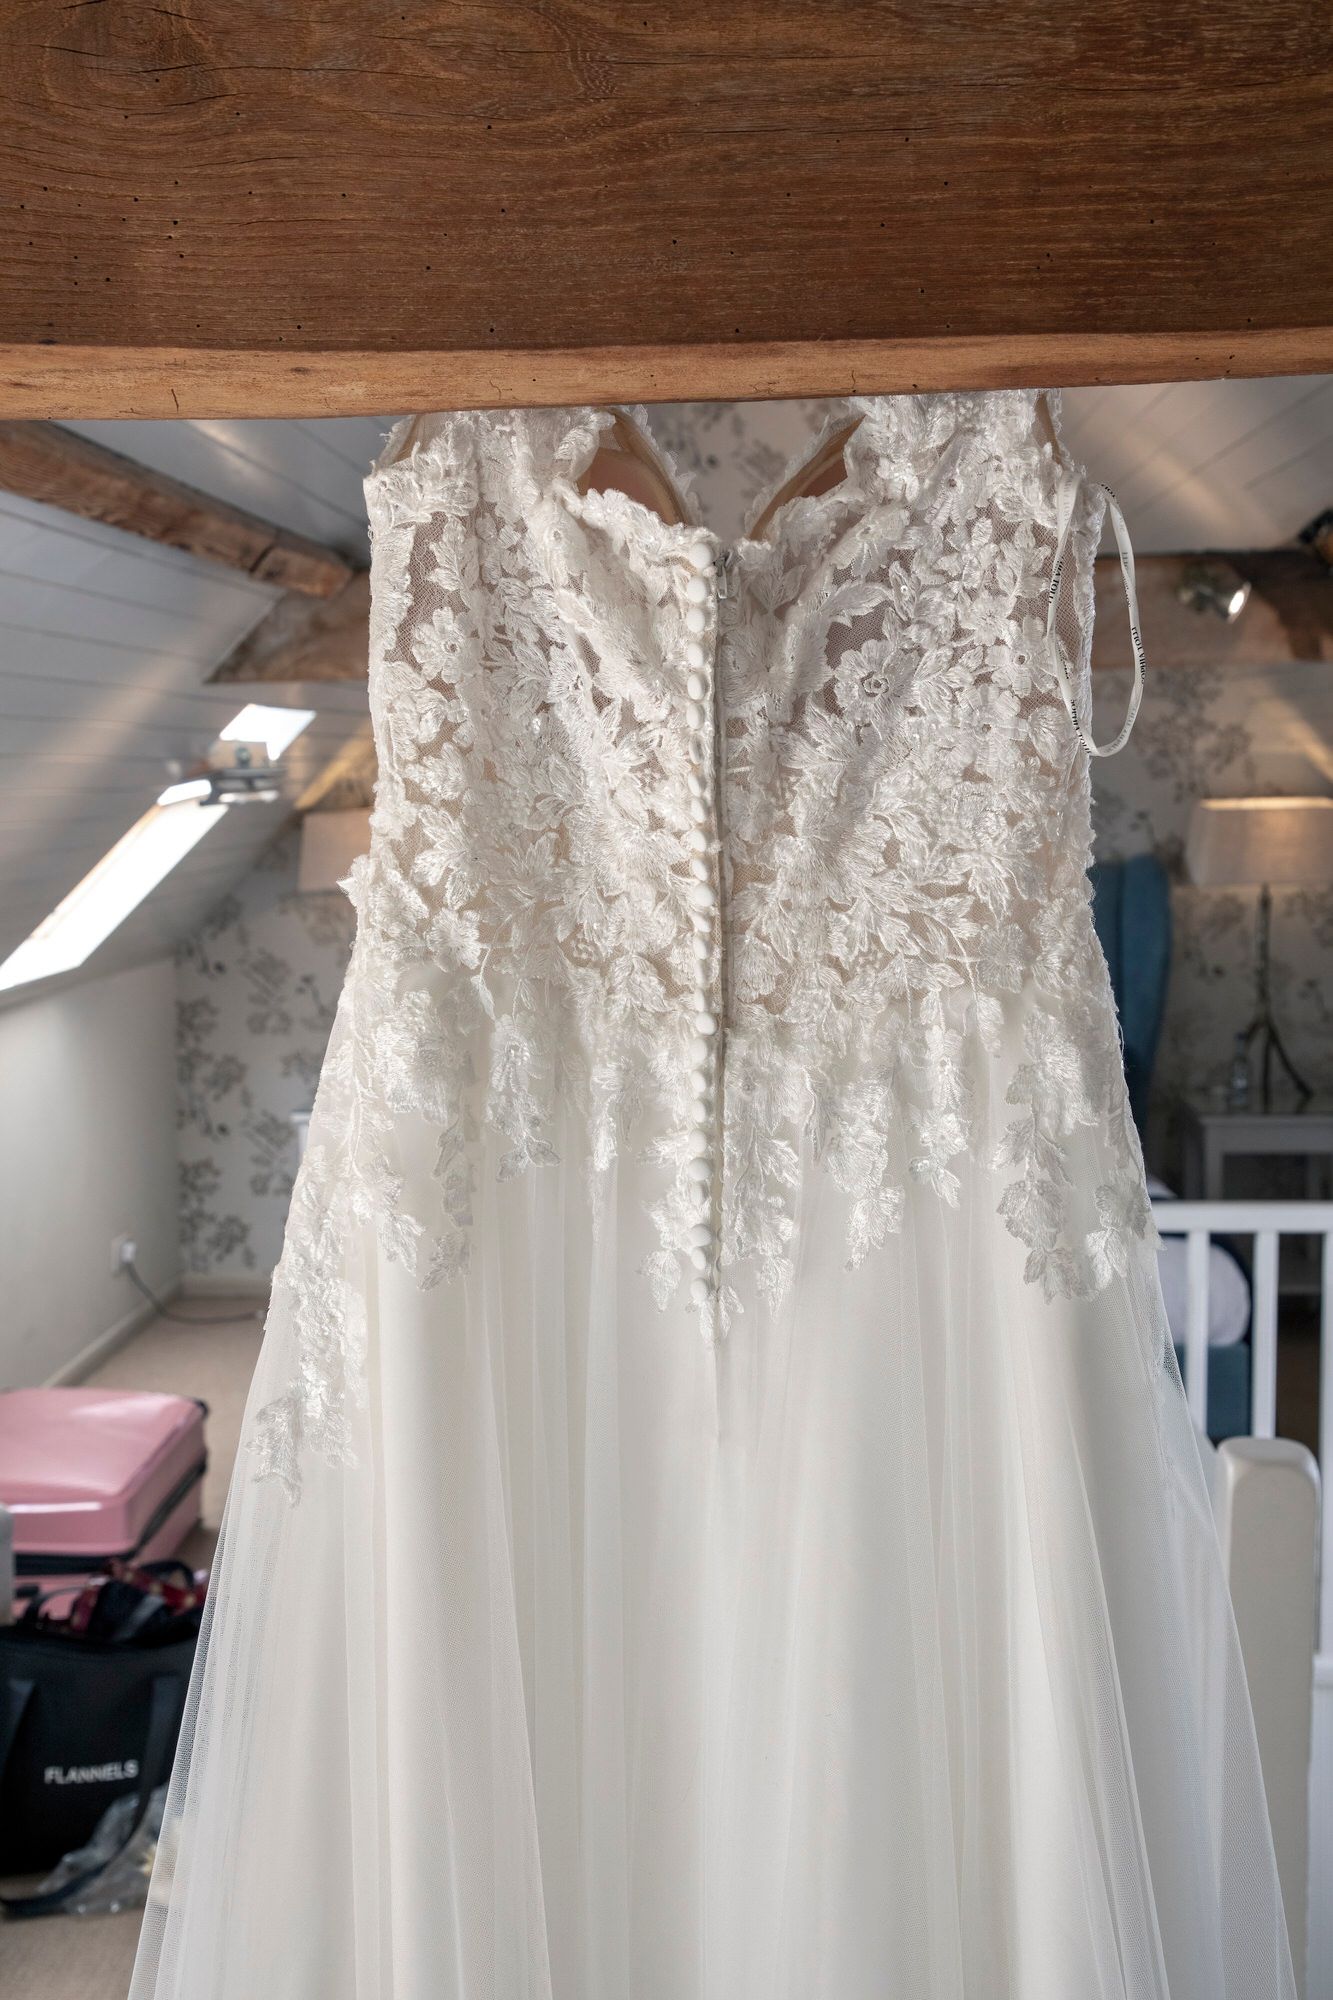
(99, 1350)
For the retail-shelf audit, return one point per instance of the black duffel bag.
(90, 1709)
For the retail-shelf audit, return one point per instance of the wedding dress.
(718, 1517)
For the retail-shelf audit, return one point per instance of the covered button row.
(703, 913)
(697, 591)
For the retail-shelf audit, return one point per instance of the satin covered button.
(694, 619)
(694, 653)
(705, 1024)
(699, 556)
(696, 590)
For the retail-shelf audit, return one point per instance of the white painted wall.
(87, 1153)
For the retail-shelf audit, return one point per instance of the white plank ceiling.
(106, 641)
(1210, 464)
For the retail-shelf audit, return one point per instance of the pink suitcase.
(92, 1473)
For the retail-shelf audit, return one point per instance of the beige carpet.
(90, 1958)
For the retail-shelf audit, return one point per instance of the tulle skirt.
(882, 1648)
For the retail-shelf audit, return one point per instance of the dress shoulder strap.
(403, 438)
(1070, 481)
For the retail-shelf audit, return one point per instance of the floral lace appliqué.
(903, 826)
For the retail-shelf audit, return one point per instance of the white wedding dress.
(718, 1517)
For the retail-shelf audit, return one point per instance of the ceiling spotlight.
(1209, 587)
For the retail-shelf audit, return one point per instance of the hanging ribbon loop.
(1070, 482)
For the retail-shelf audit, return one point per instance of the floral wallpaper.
(257, 984)
(1224, 735)
(256, 989)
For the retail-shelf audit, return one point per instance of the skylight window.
(107, 894)
(151, 849)
(275, 728)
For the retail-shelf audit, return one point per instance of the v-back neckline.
(767, 507)
(886, 453)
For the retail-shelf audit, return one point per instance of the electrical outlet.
(124, 1251)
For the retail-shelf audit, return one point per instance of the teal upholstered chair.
(1131, 909)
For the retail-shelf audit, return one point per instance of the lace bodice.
(735, 849)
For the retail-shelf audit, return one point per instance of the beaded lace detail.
(901, 834)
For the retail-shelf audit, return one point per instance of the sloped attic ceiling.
(107, 640)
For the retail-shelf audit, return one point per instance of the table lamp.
(1263, 844)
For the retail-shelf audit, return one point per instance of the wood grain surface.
(271, 208)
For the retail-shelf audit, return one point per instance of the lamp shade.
(1245, 843)
(330, 843)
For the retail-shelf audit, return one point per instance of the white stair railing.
(1283, 1494)
(1266, 1223)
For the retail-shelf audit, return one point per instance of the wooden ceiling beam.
(304, 641)
(265, 208)
(41, 461)
(1296, 585)
(76, 382)
(1289, 618)
(1287, 621)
